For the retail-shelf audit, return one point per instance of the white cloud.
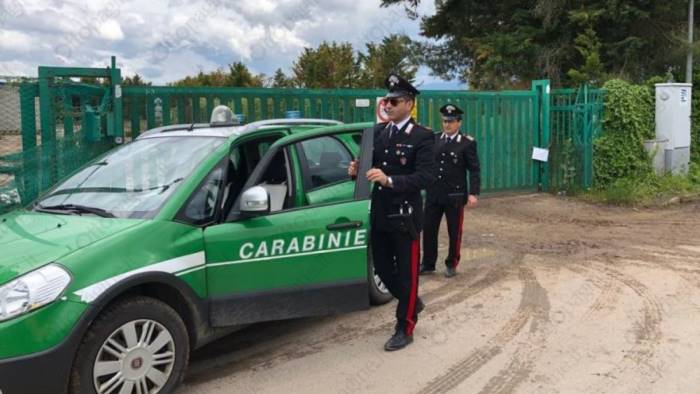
(165, 40)
(13, 40)
(111, 30)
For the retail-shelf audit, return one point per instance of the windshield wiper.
(75, 208)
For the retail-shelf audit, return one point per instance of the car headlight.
(32, 290)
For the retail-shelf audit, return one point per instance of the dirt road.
(553, 296)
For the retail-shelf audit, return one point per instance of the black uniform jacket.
(453, 159)
(408, 158)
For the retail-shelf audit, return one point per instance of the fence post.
(542, 87)
(48, 129)
(117, 114)
(29, 190)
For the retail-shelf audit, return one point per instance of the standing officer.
(455, 153)
(402, 165)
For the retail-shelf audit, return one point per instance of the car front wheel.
(378, 292)
(138, 345)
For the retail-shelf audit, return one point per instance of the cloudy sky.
(164, 40)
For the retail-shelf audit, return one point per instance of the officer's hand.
(352, 169)
(472, 201)
(377, 175)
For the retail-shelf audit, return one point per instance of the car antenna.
(191, 127)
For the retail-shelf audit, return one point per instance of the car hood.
(29, 240)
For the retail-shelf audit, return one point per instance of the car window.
(135, 180)
(325, 161)
(201, 208)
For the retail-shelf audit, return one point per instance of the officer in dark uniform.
(402, 165)
(455, 154)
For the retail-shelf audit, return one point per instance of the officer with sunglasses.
(455, 154)
(402, 165)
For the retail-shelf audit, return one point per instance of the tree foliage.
(281, 80)
(331, 65)
(237, 75)
(393, 54)
(136, 80)
(507, 43)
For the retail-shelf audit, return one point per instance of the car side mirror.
(255, 202)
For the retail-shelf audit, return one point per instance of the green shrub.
(650, 189)
(628, 120)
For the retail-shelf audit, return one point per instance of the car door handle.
(344, 225)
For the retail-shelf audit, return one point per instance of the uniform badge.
(403, 160)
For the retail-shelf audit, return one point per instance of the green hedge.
(628, 120)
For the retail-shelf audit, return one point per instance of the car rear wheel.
(138, 345)
(378, 292)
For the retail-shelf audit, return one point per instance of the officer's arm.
(424, 175)
(471, 157)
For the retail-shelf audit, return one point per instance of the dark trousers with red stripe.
(395, 256)
(431, 226)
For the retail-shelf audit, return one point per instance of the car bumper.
(45, 372)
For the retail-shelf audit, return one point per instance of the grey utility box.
(672, 127)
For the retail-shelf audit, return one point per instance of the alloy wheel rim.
(380, 285)
(137, 357)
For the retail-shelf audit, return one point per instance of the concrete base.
(677, 160)
(655, 149)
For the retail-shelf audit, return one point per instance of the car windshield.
(133, 181)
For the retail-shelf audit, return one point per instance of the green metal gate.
(576, 121)
(94, 118)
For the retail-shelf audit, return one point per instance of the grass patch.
(648, 190)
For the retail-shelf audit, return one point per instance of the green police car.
(110, 279)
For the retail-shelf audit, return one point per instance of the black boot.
(419, 305)
(450, 272)
(425, 270)
(419, 308)
(398, 341)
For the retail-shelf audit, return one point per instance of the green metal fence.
(79, 121)
(576, 121)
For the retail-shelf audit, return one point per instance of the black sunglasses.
(394, 101)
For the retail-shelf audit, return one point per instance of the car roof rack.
(288, 122)
(242, 129)
(175, 127)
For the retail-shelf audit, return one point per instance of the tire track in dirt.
(609, 289)
(523, 361)
(647, 329)
(531, 294)
(269, 355)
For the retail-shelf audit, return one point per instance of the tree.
(240, 76)
(281, 80)
(507, 43)
(136, 80)
(328, 66)
(215, 78)
(393, 54)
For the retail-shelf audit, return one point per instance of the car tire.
(378, 292)
(138, 341)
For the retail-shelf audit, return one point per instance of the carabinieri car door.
(308, 255)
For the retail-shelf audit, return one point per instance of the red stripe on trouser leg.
(458, 241)
(415, 253)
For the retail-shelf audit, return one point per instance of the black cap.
(451, 112)
(399, 87)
